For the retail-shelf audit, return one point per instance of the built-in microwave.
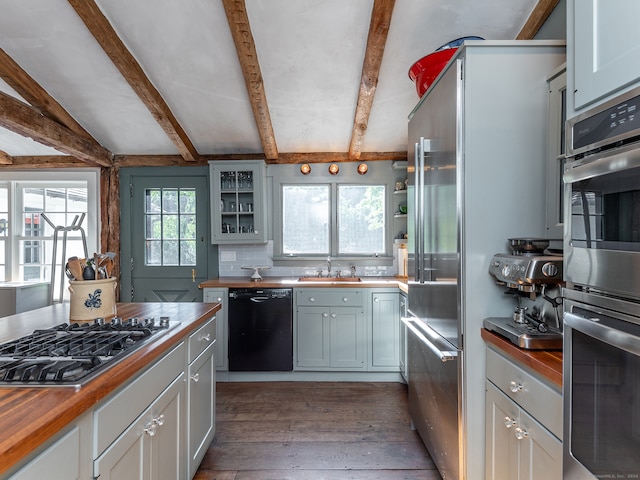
(602, 198)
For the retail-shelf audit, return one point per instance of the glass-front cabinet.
(238, 203)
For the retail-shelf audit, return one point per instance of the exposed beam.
(376, 41)
(36, 96)
(537, 18)
(27, 121)
(238, 20)
(288, 158)
(5, 158)
(131, 70)
(37, 162)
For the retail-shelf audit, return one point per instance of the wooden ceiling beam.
(538, 16)
(238, 20)
(38, 162)
(37, 96)
(5, 158)
(376, 41)
(29, 122)
(131, 70)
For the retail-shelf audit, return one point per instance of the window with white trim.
(27, 239)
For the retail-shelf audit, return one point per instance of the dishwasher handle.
(419, 331)
(258, 299)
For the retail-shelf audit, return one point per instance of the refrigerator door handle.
(444, 356)
(418, 199)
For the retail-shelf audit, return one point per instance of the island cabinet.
(201, 394)
(219, 295)
(385, 330)
(523, 422)
(604, 49)
(330, 333)
(238, 201)
(134, 445)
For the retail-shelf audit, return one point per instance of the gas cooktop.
(72, 354)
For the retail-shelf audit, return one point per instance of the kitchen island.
(31, 418)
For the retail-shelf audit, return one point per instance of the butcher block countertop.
(547, 363)
(30, 416)
(289, 282)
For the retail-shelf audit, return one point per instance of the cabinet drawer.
(111, 419)
(532, 394)
(201, 339)
(339, 297)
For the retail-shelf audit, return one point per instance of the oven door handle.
(443, 355)
(594, 328)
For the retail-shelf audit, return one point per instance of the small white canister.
(91, 299)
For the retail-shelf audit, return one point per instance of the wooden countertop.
(548, 363)
(289, 282)
(30, 416)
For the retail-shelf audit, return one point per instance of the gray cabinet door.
(385, 332)
(165, 236)
(313, 337)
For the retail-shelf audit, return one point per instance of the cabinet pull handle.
(150, 429)
(195, 378)
(521, 433)
(509, 422)
(515, 387)
(206, 337)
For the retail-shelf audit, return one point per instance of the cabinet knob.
(333, 315)
(325, 315)
(159, 420)
(311, 299)
(219, 299)
(150, 429)
(376, 299)
(345, 299)
(206, 337)
(515, 387)
(520, 433)
(195, 378)
(509, 422)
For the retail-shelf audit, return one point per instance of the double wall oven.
(602, 297)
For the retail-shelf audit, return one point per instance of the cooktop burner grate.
(71, 354)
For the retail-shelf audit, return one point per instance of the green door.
(166, 251)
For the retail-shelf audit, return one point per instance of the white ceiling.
(310, 54)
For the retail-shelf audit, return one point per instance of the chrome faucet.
(328, 266)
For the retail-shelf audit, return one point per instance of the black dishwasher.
(260, 329)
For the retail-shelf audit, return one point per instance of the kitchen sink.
(330, 279)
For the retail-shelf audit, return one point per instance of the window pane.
(4, 214)
(56, 199)
(171, 223)
(361, 219)
(305, 221)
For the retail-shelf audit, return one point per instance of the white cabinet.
(62, 457)
(201, 394)
(604, 48)
(523, 428)
(238, 201)
(150, 448)
(330, 329)
(385, 330)
(220, 295)
(139, 431)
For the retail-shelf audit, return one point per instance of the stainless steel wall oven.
(602, 297)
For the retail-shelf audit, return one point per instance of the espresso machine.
(533, 276)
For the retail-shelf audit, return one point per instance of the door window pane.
(305, 219)
(170, 227)
(4, 229)
(361, 219)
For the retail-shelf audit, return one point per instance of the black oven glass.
(605, 211)
(605, 418)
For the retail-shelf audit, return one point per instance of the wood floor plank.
(315, 430)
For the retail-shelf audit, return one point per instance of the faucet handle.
(353, 270)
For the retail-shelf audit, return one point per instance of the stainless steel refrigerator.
(477, 145)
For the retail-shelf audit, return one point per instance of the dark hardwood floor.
(315, 431)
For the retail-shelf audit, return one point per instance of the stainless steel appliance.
(72, 354)
(476, 150)
(260, 329)
(602, 300)
(532, 276)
